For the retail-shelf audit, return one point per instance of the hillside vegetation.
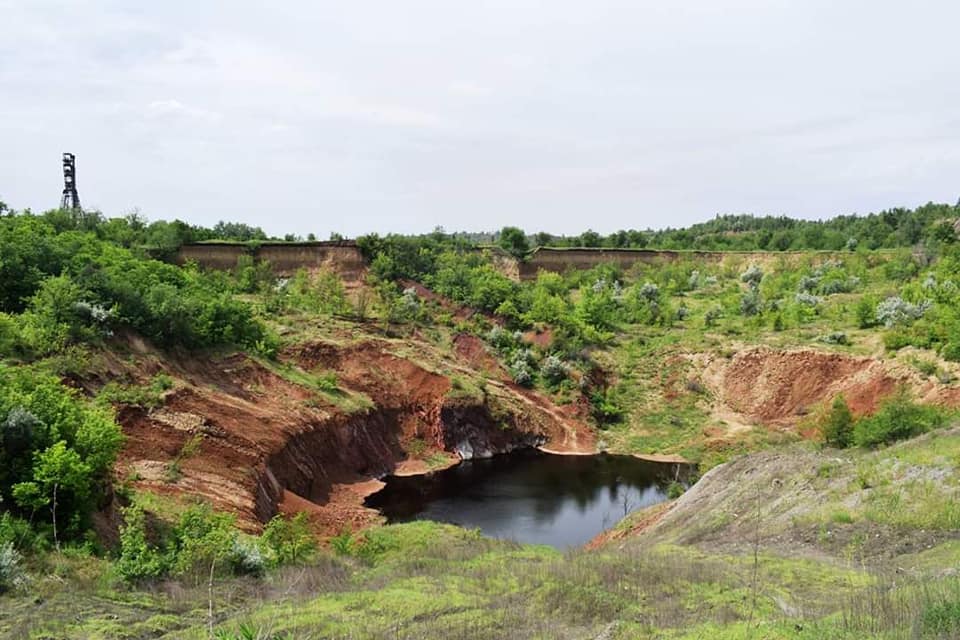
(162, 426)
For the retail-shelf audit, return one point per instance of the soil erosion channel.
(531, 496)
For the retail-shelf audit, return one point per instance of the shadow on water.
(530, 496)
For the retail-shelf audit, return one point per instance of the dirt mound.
(780, 386)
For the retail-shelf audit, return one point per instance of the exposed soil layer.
(759, 385)
(254, 443)
(780, 386)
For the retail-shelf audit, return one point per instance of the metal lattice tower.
(70, 199)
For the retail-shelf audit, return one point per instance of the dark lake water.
(530, 496)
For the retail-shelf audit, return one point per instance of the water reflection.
(531, 496)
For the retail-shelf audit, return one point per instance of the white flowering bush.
(649, 291)
(896, 311)
(501, 339)
(553, 369)
(521, 372)
(12, 575)
(246, 558)
(807, 299)
(752, 276)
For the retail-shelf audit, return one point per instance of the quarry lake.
(530, 496)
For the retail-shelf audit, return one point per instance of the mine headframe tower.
(70, 199)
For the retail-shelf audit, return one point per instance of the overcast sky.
(403, 115)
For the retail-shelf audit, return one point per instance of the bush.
(898, 418)
(837, 428)
(138, 560)
(675, 490)
(52, 441)
(752, 276)
(553, 370)
(835, 337)
(750, 302)
(896, 311)
(11, 573)
(866, 312)
(290, 540)
(521, 372)
(605, 407)
(951, 351)
(501, 339)
(807, 299)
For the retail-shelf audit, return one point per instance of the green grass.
(324, 383)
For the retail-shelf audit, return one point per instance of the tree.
(56, 450)
(514, 241)
(59, 471)
(837, 429)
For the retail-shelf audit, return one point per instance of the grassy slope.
(824, 555)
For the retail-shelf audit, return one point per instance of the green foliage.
(514, 241)
(56, 450)
(941, 619)
(201, 541)
(320, 292)
(138, 560)
(290, 540)
(898, 418)
(606, 407)
(553, 370)
(837, 427)
(252, 276)
(76, 287)
(930, 224)
(470, 279)
(675, 490)
(148, 396)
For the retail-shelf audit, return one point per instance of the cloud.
(385, 116)
(470, 89)
(174, 109)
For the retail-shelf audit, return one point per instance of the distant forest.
(898, 227)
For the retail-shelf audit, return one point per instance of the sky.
(401, 116)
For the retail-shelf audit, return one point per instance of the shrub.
(711, 316)
(896, 311)
(752, 276)
(750, 302)
(835, 337)
(951, 351)
(837, 428)
(649, 291)
(202, 538)
(866, 312)
(553, 370)
(807, 299)
(605, 407)
(501, 339)
(138, 560)
(898, 418)
(675, 490)
(245, 558)
(52, 441)
(521, 372)
(11, 573)
(290, 540)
